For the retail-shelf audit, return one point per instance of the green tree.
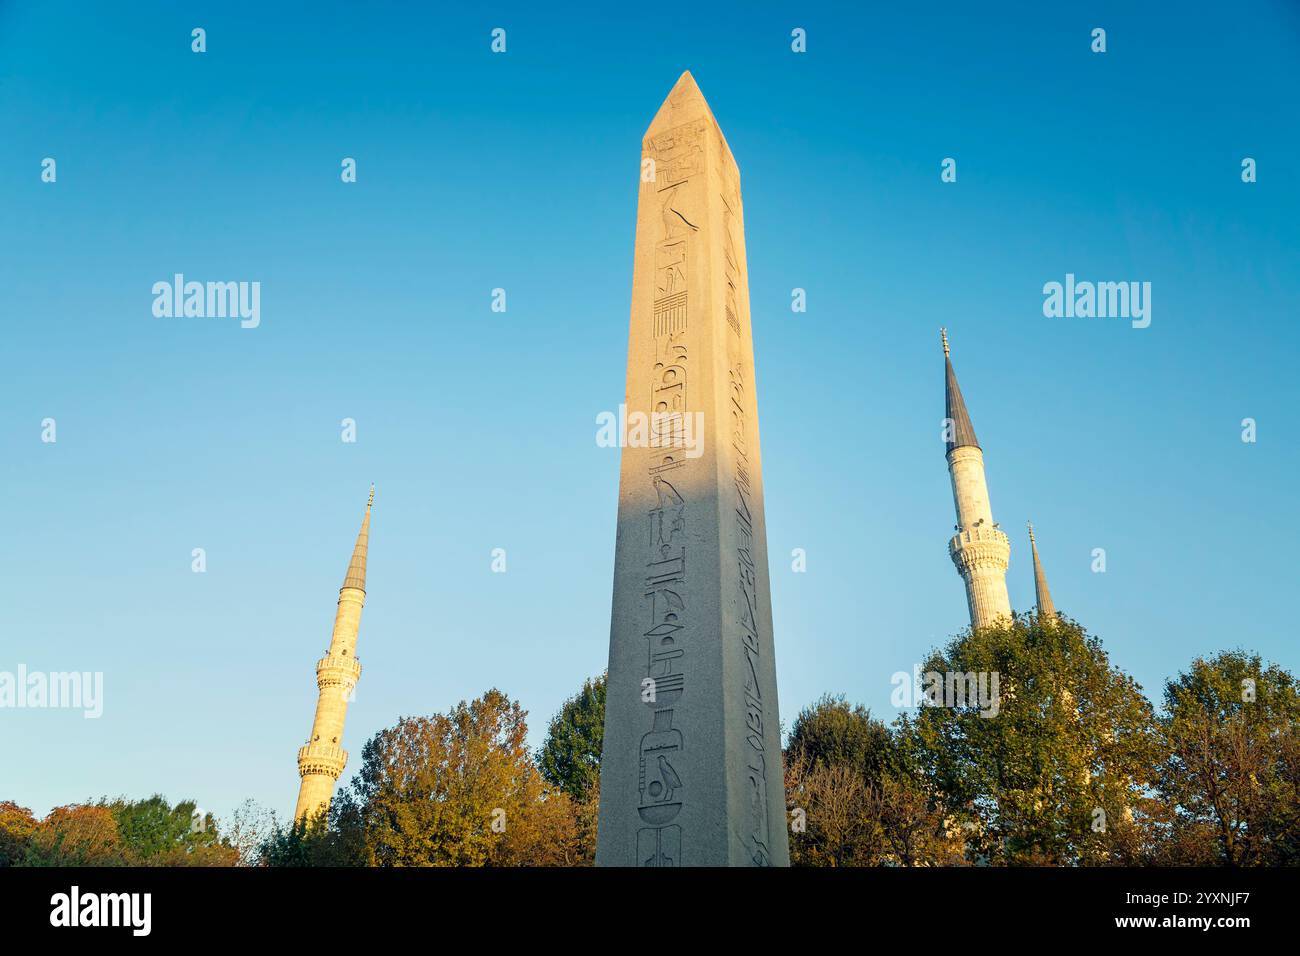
(1065, 750)
(1232, 731)
(570, 756)
(835, 753)
(569, 760)
(155, 833)
(833, 733)
(331, 838)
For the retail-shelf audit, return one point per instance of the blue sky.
(518, 171)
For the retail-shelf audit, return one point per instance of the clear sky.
(519, 171)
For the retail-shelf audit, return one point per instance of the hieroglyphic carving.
(670, 314)
(670, 269)
(678, 155)
(731, 271)
(658, 781)
(756, 763)
(757, 824)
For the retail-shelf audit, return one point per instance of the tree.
(848, 776)
(834, 756)
(77, 835)
(155, 833)
(570, 757)
(569, 760)
(1232, 731)
(459, 789)
(17, 825)
(251, 825)
(917, 831)
(1065, 749)
(329, 838)
(832, 733)
(549, 832)
(835, 825)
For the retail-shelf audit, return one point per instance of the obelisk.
(691, 770)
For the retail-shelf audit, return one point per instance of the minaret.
(1046, 609)
(322, 760)
(979, 549)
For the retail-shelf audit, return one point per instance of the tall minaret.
(321, 762)
(979, 549)
(1046, 609)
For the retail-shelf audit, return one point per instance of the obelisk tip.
(684, 103)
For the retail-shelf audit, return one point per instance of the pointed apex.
(686, 82)
(961, 432)
(356, 576)
(685, 102)
(1046, 609)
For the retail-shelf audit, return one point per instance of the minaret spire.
(323, 758)
(979, 549)
(356, 576)
(959, 431)
(1046, 609)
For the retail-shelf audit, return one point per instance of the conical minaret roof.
(356, 577)
(1046, 609)
(963, 432)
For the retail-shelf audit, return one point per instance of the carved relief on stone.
(748, 620)
(678, 154)
(659, 782)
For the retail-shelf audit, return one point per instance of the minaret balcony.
(334, 670)
(980, 547)
(322, 758)
(975, 535)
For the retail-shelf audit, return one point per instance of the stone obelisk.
(691, 771)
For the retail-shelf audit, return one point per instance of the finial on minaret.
(943, 334)
(372, 496)
(1031, 531)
